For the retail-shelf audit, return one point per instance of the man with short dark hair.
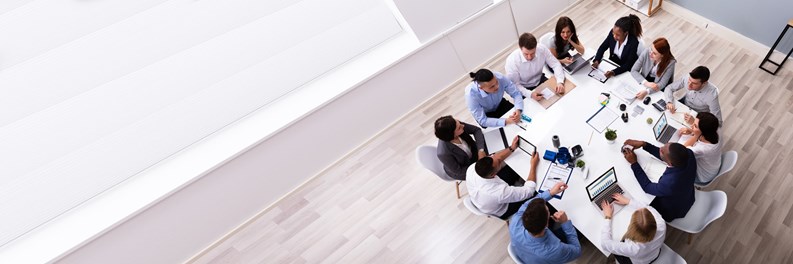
(674, 192)
(524, 66)
(493, 195)
(532, 239)
(701, 95)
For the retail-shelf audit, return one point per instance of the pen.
(556, 178)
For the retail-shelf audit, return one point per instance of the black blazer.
(455, 161)
(628, 55)
(674, 192)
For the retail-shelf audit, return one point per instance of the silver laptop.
(578, 63)
(603, 188)
(662, 130)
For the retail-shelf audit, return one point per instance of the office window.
(94, 92)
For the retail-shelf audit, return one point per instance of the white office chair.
(471, 207)
(707, 207)
(669, 256)
(427, 156)
(728, 161)
(512, 254)
(545, 38)
(642, 47)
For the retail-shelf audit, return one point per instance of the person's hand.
(620, 199)
(536, 96)
(608, 210)
(535, 159)
(630, 156)
(511, 120)
(653, 86)
(516, 115)
(595, 64)
(560, 217)
(641, 94)
(671, 107)
(558, 188)
(609, 74)
(685, 131)
(514, 145)
(689, 119)
(635, 143)
(560, 88)
(566, 61)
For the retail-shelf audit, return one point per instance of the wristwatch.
(511, 149)
(608, 217)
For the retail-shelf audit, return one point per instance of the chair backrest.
(728, 161)
(471, 207)
(512, 254)
(642, 48)
(669, 256)
(545, 38)
(427, 156)
(707, 207)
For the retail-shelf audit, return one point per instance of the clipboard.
(600, 74)
(551, 84)
(555, 170)
(602, 119)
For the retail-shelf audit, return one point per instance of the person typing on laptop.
(645, 236)
(674, 192)
(524, 65)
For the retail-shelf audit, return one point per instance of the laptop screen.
(660, 125)
(601, 183)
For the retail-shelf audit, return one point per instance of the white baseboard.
(722, 31)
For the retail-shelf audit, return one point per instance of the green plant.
(580, 163)
(650, 120)
(611, 134)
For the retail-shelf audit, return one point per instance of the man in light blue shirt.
(485, 99)
(533, 241)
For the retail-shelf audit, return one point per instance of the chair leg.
(457, 187)
(689, 238)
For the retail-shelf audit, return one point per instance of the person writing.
(703, 140)
(701, 95)
(485, 99)
(524, 65)
(645, 236)
(564, 40)
(622, 42)
(654, 69)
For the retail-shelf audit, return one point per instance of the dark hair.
(700, 73)
(482, 75)
(528, 41)
(444, 128)
(484, 166)
(535, 218)
(631, 24)
(562, 23)
(709, 124)
(678, 155)
(662, 46)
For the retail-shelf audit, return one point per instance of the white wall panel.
(529, 14)
(429, 19)
(485, 36)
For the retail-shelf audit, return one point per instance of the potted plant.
(611, 135)
(580, 164)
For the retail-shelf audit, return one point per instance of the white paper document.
(556, 173)
(547, 93)
(602, 119)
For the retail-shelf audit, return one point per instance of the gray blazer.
(644, 65)
(455, 161)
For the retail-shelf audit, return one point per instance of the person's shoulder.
(515, 54)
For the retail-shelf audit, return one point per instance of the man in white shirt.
(524, 66)
(493, 196)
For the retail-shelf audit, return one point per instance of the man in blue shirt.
(533, 241)
(485, 99)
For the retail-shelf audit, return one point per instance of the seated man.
(491, 194)
(533, 241)
(701, 95)
(485, 99)
(524, 65)
(674, 192)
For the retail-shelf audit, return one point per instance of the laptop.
(603, 188)
(578, 63)
(662, 130)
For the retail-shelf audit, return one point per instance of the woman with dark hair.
(703, 139)
(457, 150)
(644, 238)
(565, 39)
(622, 42)
(655, 68)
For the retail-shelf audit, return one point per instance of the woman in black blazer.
(455, 136)
(626, 33)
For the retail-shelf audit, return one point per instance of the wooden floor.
(378, 205)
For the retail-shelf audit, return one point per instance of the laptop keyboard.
(668, 133)
(607, 196)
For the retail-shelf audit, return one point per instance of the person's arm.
(578, 46)
(636, 70)
(662, 188)
(450, 162)
(479, 113)
(672, 88)
(627, 59)
(689, 143)
(554, 63)
(513, 91)
(664, 79)
(572, 249)
(603, 47)
(715, 108)
(610, 245)
(511, 67)
(653, 150)
(479, 137)
(513, 194)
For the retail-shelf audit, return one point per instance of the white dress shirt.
(619, 47)
(492, 196)
(527, 73)
(637, 252)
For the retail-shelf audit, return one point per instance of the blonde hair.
(642, 227)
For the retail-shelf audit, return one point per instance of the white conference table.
(567, 119)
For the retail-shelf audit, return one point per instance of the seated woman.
(457, 150)
(622, 42)
(655, 68)
(565, 39)
(703, 139)
(645, 236)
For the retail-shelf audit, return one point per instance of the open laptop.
(603, 188)
(662, 130)
(578, 63)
